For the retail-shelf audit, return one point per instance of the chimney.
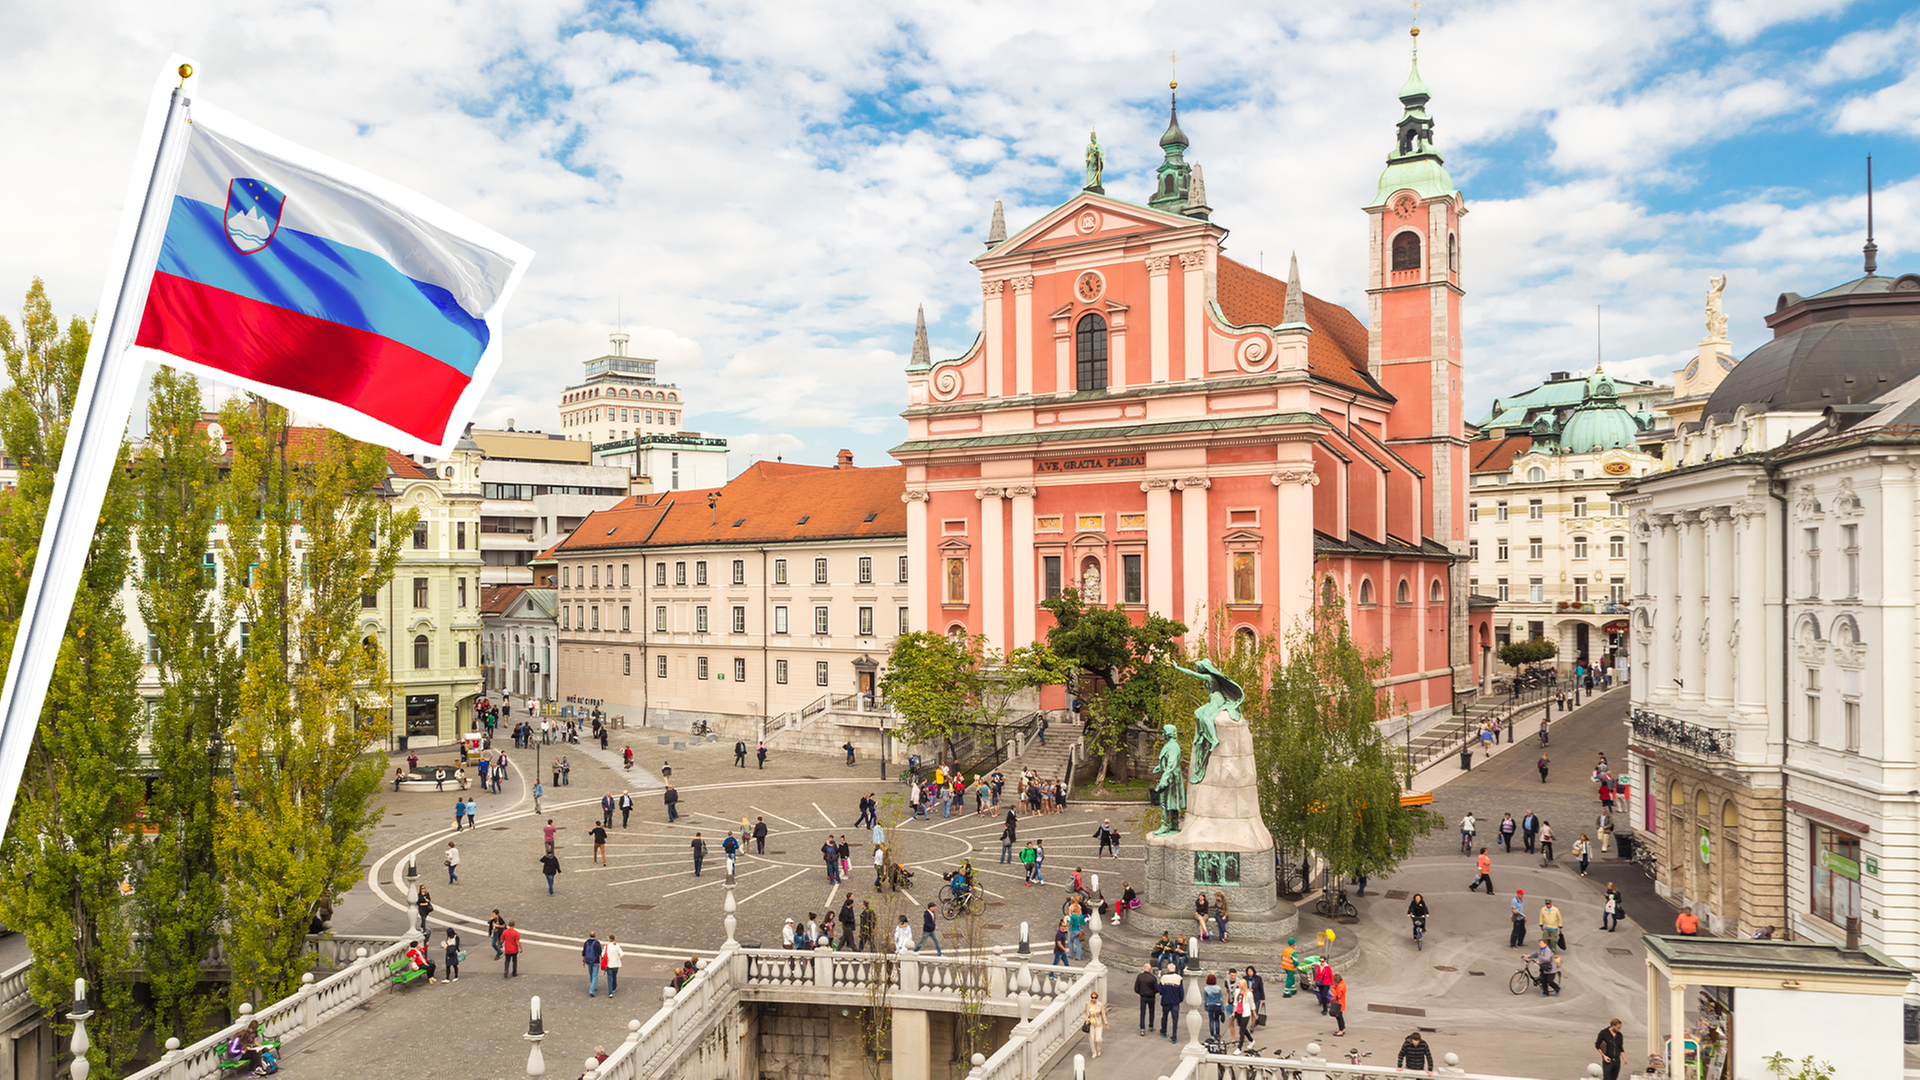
(843, 460)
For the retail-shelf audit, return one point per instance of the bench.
(235, 1065)
(403, 973)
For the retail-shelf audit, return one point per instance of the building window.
(1536, 510)
(1579, 547)
(566, 622)
(820, 673)
(780, 672)
(1403, 594)
(1536, 475)
(1131, 586)
(580, 616)
(1536, 548)
(369, 600)
(1050, 575)
(1090, 353)
(1617, 590)
(1616, 547)
(596, 577)
(1813, 705)
(660, 666)
(1436, 592)
(956, 581)
(1501, 590)
(419, 535)
(1616, 509)
(1536, 590)
(820, 620)
(866, 622)
(739, 571)
(700, 572)
(1536, 630)
(866, 569)
(739, 669)
(739, 619)
(460, 591)
(700, 618)
(626, 617)
(903, 631)
(819, 571)
(660, 618)
(903, 570)
(1473, 513)
(680, 573)
(660, 573)
(1579, 506)
(1500, 511)
(1473, 551)
(1579, 590)
(596, 616)
(1835, 872)
(420, 652)
(626, 663)
(1366, 592)
(462, 650)
(779, 571)
(460, 538)
(1812, 543)
(1852, 711)
(700, 667)
(1500, 550)
(1850, 547)
(780, 619)
(1406, 251)
(419, 592)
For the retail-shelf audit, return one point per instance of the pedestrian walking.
(495, 927)
(1027, 856)
(539, 789)
(1507, 826)
(1337, 996)
(846, 922)
(1611, 908)
(1215, 1001)
(606, 809)
(830, 852)
(424, 905)
(1290, 966)
(473, 812)
(459, 813)
(453, 864)
(510, 948)
(1172, 993)
(590, 952)
(761, 754)
(1518, 917)
(451, 955)
(1542, 766)
(902, 937)
(1246, 1012)
(610, 960)
(869, 926)
(672, 798)
(1546, 839)
(550, 866)
(1604, 826)
(1549, 969)
(626, 811)
(599, 834)
(1146, 987)
(547, 832)
(848, 747)
(1039, 862)
(1529, 828)
(1096, 1022)
(1060, 943)
(1551, 925)
(1583, 850)
(929, 928)
(740, 754)
(1612, 1044)
(1323, 985)
(1485, 866)
(699, 853)
(846, 856)
(760, 836)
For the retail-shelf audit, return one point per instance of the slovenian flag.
(352, 301)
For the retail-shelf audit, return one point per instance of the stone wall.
(807, 1042)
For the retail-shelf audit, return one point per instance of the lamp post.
(536, 1031)
(80, 1045)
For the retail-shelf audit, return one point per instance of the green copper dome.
(1599, 422)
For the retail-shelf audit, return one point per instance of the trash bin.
(1466, 758)
(1624, 841)
(1913, 1023)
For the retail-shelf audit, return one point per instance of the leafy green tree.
(311, 694)
(179, 488)
(951, 689)
(1518, 654)
(1124, 666)
(69, 855)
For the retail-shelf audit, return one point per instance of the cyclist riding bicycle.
(962, 878)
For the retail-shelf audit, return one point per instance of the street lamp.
(536, 1031)
(80, 1045)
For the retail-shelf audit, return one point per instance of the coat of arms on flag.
(253, 213)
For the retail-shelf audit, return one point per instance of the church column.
(1196, 552)
(1720, 570)
(1692, 608)
(1660, 664)
(1192, 311)
(921, 567)
(992, 337)
(1160, 546)
(1023, 335)
(993, 570)
(1024, 596)
(1293, 531)
(1158, 315)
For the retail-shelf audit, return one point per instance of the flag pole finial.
(186, 72)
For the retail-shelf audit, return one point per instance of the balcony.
(1691, 739)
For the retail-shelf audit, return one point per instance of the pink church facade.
(1168, 429)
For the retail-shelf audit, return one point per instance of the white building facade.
(520, 641)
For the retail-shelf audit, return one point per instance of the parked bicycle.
(701, 727)
(1359, 1057)
(1645, 859)
(1334, 904)
(1294, 880)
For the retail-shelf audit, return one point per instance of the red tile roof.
(1496, 455)
(495, 599)
(770, 502)
(1337, 351)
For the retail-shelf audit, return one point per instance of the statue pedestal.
(1223, 846)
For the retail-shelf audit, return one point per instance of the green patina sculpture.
(1223, 696)
(1096, 163)
(1170, 789)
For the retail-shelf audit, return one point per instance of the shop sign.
(1706, 848)
(1841, 865)
(1090, 464)
(1870, 864)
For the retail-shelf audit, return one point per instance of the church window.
(1453, 253)
(1406, 251)
(1328, 592)
(1435, 592)
(1090, 351)
(1404, 595)
(1366, 592)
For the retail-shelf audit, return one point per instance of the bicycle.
(1466, 842)
(1646, 860)
(1419, 932)
(1528, 977)
(1332, 905)
(1359, 1057)
(701, 727)
(1293, 882)
(957, 902)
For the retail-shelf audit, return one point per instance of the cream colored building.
(1545, 537)
(787, 587)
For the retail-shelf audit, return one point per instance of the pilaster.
(1160, 546)
(1023, 335)
(918, 555)
(993, 570)
(1193, 299)
(1158, 316)
(992, 334)
(1196, 551)
(1025, 599)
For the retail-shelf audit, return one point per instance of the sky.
(761, 192)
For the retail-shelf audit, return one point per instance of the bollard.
(1079, 1067)
(536, 1031)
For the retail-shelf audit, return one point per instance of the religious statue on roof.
(1716, 318)
(1096, 164)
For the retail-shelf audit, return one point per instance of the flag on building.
(360, 305)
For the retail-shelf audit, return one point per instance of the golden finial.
(186, 72)
(1415, 6)
(1173, 66)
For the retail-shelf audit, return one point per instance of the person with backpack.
(731, 847)
(590, 953)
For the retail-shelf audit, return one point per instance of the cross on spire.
(1415, 6)
(1173, 69)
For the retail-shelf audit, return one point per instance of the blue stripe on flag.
(327, 280)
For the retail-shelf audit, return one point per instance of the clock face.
(1404, 206)
(1089, 287)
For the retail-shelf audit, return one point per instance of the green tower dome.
(1599, 422)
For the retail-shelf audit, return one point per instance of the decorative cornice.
(988, 493)
(1023, 284)
(1717, 513)
(1159, 483)
(1688, 517)
(1749, 508)
(1023, 491)
(1660, 521)
(912, 495)
(1200, 482)
(1301, 475)
(1157, 264)
(993, 288)
(1192, 260)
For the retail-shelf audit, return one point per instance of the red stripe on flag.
(391, 382)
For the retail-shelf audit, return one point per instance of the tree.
(312, 695)
(1328, 779)
(1126, 665)
(179, 490)
(1531, 651)
(951, 689)
(69, 855)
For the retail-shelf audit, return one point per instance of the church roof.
(1337, 350)
(1847, 345)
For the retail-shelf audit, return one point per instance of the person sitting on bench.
(417, 956)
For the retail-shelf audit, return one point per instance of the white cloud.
(1740, 21)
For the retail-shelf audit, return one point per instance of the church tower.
(1414, 304)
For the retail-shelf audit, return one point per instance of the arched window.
(1404, 594)
(1536, 475)
(1366, 592)
(1090, 352)
(1453, 253)
(1435, 592)
(420, 658)
(1406, 251)
(1328, 592)
(1244, 641)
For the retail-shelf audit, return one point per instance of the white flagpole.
(108, 385)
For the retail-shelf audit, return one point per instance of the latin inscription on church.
(1087, 464)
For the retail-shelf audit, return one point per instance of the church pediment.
(1087, 217)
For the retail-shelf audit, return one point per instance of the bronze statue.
(1223, 696)
(1170, 789)
(1096, 163)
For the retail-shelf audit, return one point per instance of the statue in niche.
(1223, 696)
(1090, 582)
(1170, 784)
